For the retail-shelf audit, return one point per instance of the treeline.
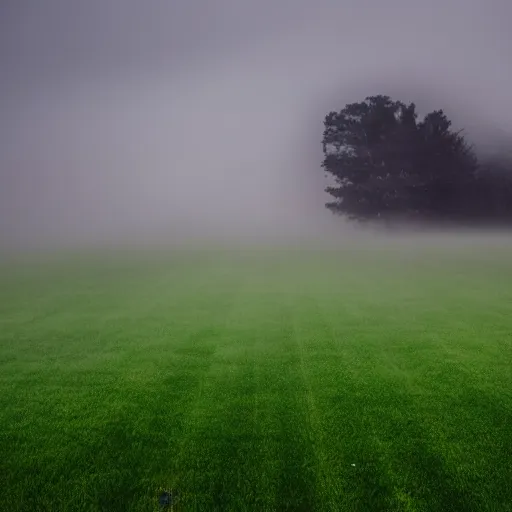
(387, 164)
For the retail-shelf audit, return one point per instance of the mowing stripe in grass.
(245, 446)
(256, 381)
(114, 419)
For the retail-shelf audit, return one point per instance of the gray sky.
(145, 117)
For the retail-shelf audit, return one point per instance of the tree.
(492, 190)
(386, 164)
(447, 164)
(368, 149)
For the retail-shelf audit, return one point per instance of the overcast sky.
(132, 117)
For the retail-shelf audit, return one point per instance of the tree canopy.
(387, 164)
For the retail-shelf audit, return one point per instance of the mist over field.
(278, 357)
(161, 121)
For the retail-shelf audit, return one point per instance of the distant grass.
(353, 380)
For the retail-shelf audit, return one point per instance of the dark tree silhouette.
(491, 191)
(386, 164)
(447, 164)
(366, 152)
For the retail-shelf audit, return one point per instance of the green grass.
(359, 380)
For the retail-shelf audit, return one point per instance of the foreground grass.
(354, 380)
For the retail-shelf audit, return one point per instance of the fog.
(161, 120)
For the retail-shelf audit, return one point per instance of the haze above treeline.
(133, 120)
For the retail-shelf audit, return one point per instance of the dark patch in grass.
(297, 481)
(233, 452)
(368, 486)
(393, 448)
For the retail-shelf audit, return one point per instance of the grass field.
(358, 380)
